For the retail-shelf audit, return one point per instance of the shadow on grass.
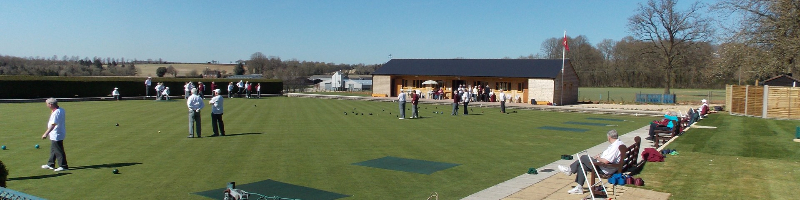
(636, 170)
(238, 134)
(37, 177)
(107, 165)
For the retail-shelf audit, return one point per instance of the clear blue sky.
(337, 31)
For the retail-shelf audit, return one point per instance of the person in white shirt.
(147, 87)
(216, 114)
(57, 132)
(502, 99)
(465, 97)
(115, 93)
(258, 90)
(165, 93)
(610, 156)
(159, 87)
(230, 89)
(240, 85)
(475, 93)
(187, 89)
(401, 99)
(195, 104)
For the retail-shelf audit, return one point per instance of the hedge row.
(28, 87)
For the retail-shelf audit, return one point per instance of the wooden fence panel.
(782, 102)
(737, 99)
(755, 100)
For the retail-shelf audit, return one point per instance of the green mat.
(407, 165)
(563, 129)
(606, 119)
(587, 123)
(274, 188)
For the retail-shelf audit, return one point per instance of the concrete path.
(525, 181)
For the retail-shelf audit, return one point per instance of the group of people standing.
(195, 103)
(461, 95)
(244, 88)
(414, 101)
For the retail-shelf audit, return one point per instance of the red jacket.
(415, 99)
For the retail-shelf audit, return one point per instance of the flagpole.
(563, 60)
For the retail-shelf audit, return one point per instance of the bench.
(378, 95)
(629, 157)
(662, 136)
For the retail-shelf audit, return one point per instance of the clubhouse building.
(524, 80)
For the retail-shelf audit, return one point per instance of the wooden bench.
(629, 157)
(378, 95)
(662, 136)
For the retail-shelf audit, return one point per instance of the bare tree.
(669, 30)
(258, 63)
(770, 29)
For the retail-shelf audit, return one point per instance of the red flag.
(565, 42)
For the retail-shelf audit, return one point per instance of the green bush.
(26, 87)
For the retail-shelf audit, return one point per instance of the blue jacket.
(671, 118)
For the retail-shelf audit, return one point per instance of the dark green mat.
(406, 165)
(606, 119)
(587, 123)
(563, 129)
(274, 188)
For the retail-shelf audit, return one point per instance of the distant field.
(183, 69)
(628, 95)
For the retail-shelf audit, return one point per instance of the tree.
(239, 69)
(258, 63)
(171, 70)
(770, 31)
(98, 63)
(193, 73)
(669, 31)
(161, 71)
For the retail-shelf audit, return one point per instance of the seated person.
(610, 156)
(653, 126)
(691, 117)
(703, 110)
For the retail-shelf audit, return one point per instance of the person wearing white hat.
(115, 93)
(401, 99)
(216, 114)
(165, 93)
(195, 104)
(703, 110)
(147, 84)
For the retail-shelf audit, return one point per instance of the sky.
(331, 31)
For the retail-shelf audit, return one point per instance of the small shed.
(783, 80)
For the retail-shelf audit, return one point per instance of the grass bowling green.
(306, 142)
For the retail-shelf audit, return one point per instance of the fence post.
(746, 94)
(764, 102)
